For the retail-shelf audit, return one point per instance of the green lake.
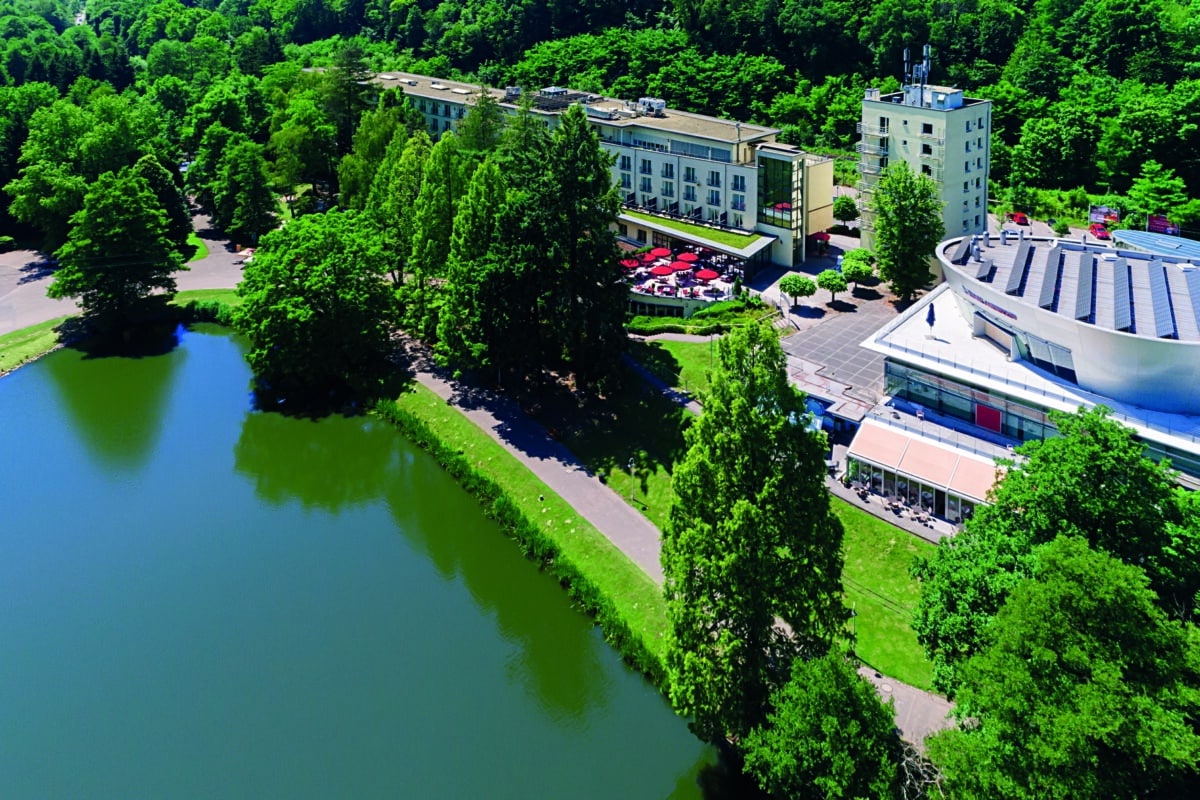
(202, 600)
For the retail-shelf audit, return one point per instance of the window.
(626, 162)
(739, 183)
(668, 171)
(978, 182)
(645, 187)
(738, 202)
(968, 126)
(926, 149)
(689, 193)
(927, 129)
(738, 221)
(689, 175)
(646, 169)
(714, 178)
(445, 109)
(968, 147)
(979, 142)
(641, 235)
(623, 229)
(883, 123)
(981, 123)
(421, 104)
(926, 170)
(966, 186)
(668, 189)
(714, 197)
(626, 182)
(446, 125)
(966, 166)
(966, 205)
(979, 163)
(965, 225)
(976, 220)
(977, 201)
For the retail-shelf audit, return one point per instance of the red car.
(1098, 230)
(1019, 218)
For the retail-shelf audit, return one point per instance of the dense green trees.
(908, 225)
(751, 552)
(1083, 688)
(318, 312)
(118, 251)
(1104, 490)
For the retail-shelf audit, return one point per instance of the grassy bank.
(626, 601)
(23, 346)
(201, 248)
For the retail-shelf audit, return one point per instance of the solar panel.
(1105, 309)
(1083, 287)
(1050, 277)
(985, 269)
(1184, 283)
(1122, 312)
(1160, 299)
(1019, 267)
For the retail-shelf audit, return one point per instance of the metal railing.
(871, 130)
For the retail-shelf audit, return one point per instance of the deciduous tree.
(845, 208)
(1091, 481)
(117, 252)
(794, 286)
(751, 553)
(1083, 688)
(832, 281)
(828, 735)
(908, 226)
(318, 312)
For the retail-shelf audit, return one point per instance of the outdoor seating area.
(898, 505)
(692, 273)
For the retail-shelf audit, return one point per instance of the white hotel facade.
(683, 177)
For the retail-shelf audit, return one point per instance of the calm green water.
(198, 600)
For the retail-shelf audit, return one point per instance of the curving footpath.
(22, 294)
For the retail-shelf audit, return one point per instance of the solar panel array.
(1120, 290)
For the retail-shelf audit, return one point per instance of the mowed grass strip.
(883, 594)
(201, 248)
(635, 595)
(728, 238)
(228, 297)
(24, 345)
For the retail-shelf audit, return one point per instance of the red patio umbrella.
(821, 236)
(691, 257)
(661, 271)
(707, 275)
(660, 252)
(680, 266)
(629, 263)
(647, 257)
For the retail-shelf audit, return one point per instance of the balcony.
(868, 168)
(932, 137)
(872, 149)
(871, 130)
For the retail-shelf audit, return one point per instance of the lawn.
(727, 238)
(635, 595)
(882, 594)
(198, 243)
(632, 423)
(18, 347)
(681, 364)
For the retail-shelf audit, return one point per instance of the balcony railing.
(872, 149)
(871, 130)
(868, 168)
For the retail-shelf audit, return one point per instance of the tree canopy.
(318, 313)
(1092, 481)
(908, 226)
(751, 553)
(1083, 688)
(117, 252)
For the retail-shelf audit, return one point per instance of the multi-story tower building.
(723, 184)
(939, 133)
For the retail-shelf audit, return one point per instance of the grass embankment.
(681, 364)
(20, 347)
(584, 551)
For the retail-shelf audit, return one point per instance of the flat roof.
(1142, 294)
(672, 121)
(1160, 243)
(924, 460)
(952, 351)
(758, 242)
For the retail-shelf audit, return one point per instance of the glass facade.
(906, 489)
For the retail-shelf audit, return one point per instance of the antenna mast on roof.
(907, 77)
(925, 67)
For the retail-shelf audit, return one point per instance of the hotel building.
(684, 178)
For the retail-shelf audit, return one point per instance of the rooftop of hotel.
(954, 352)
(1136, 293)
(605, 110)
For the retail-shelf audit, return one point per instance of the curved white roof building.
(1118, 323)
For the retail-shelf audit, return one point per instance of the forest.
(1088, 96)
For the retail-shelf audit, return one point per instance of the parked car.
(1098, 230)
(1020, 218)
